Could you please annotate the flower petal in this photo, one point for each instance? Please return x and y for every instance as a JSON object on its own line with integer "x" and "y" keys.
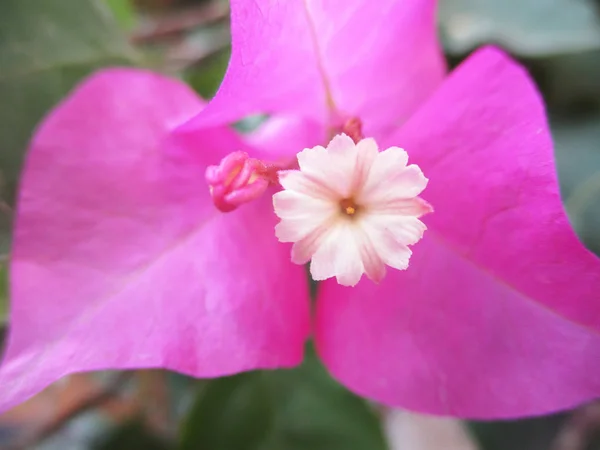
{"x": 296, "y": 181}
{"x": 486, "y": 322}
{"x": 300, "y": 214}
{"x": 318, "y": 58}
{"x": 391, "y": 179}
{"x": 416, "y": 207}
{"x": 483, "y": 141}
{"x": 340, "y": 168}
{"x": 440, "y": 338}
{"x": 281, "y": 137}
{"x": 391, "y": 235}
{"x": 338, "y": 254}
{"x": 121, "y": 261}
{"x": 370, "y": 256}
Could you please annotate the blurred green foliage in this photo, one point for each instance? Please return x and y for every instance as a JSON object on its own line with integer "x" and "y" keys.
{"x": 525, "y": 434}
{"x": 132, "y": 435}
{"x": 3, "y": 293}
{"x": 535, "y": 28}
{"x": 123, "y": 12}
{"x": 297, "y": 409}
{"x": 571, "y": 83}
{"x": 577, "y": 143}
{"x": 206, "y": 77}
{"x": 47, "y": 47}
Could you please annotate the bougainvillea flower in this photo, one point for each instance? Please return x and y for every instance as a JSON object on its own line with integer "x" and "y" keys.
{"x": 124, "y": 258}
{"x": 351, "y": 209}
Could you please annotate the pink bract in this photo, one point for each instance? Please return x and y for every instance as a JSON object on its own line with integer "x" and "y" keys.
{"x": 116, "y": 236}
{"x": 121, "y": 260}
{"x": 475, "y": 326}
{"x": 374, "y": 60}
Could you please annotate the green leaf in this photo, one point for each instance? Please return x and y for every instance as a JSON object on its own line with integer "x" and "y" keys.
{"x": 206, "y": 77}
{"x": 46, "y": 47}
{"x": 123, "y": 12}
{"x": 298, "y": 409}
{"x": 525, "y": 27}
{"x": 532, "y": 434}
{"x": 132, "y": 435}
{"x": 229, "y": 413}
{"x": 5, "y": 224}
{"x": 572, "y": 82}
{"x": 577, "y": 144}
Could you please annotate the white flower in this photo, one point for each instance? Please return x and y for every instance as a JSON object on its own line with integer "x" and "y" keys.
{"x": 351, "y": 209}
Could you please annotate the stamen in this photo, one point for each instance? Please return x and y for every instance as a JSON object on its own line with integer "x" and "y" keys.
{"x": 353, "y": 129}
{"x": 349, "y": 207}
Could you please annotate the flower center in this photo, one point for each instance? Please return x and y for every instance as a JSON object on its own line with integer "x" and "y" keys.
{"x": 349, "y": 207}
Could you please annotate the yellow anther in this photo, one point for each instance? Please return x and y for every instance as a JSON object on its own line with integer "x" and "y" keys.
{"x": 348, "y": 206}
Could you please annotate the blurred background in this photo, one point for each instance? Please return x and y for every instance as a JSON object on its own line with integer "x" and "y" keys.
{"x": 47, "y": 46}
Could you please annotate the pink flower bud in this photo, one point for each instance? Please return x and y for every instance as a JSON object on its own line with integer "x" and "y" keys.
{"x": 238, "y": 179}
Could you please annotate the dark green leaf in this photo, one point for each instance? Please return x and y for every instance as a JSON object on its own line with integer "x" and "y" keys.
{"x": 317, "y": 413}
{"x": 298, "y": 409}
{"x": 5, "y": 223}
{"x": 525, "y": 27}
{"x": 131, "y": 436}
{"x": 572, "y": 82}
{"x": 525, "y": 434}
{"x": 3, "y": 291}
{"x": 206, "y": 77}
{"x": 230, "y": 413}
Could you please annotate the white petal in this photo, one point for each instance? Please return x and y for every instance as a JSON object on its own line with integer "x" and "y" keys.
{"x": 291, "y": 204}
{"x": 340, "y": 144}
{"x": 372, "y": 261}
{"x": 391, "y": 236}
{"x": 294, "y": 180}
{"x": 416, "y": 207}
{"x": 405, "y": 229}
{"x": 338, "y": 255}
{"x": 304, "y": 249}
{"x": 343, "y": 166}
{"x": 300, "y": 215}
{"x": 293, "y": 230}
{"x": 394, "y": 254}
{"x": 366, "y": 154}
{"x": 390, "y": 177}
{"x": 327, "y": 169}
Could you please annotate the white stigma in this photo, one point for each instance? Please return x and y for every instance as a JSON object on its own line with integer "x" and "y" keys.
{"x": 351, "y": 209}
